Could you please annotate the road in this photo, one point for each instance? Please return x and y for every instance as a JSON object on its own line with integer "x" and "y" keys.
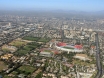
{"x": 98, "y": 60}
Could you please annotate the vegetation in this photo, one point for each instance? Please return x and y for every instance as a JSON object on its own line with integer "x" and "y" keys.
{"x": 68, "y": 47}
{"x": 6, "y": 76}
{"x": 14, "y": 73}
{"x": 18, "y": 43}
{"x": 69, "y": 56}
{"x": 31, "y": 38}
{"x": 39, "y": 75}
{"x": 27, "y": 48}
{"x": 44, "y": 40}
{"x": 5, "y": 49}
{"x": 22, "y": 52}
{"x": 80, "y": 62}
{"x": 38, "y": 39}
{"x": 94, "y": 74}
{"x": 26, "y": 69}
{"x": 47, "y": 50}
{"x": 2, "y": 66}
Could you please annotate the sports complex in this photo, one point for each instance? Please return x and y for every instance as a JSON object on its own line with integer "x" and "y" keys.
{"x": 69, "y": 48}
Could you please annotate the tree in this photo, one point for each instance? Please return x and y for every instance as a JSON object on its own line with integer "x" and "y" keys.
{"x": 39, "y": 75}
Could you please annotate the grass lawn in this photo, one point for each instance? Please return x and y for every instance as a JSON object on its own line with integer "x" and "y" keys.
{"x": 69, "y": 48}
{"x": 38, "y": 39}
{"x": 44, "y": 40}
{"x": 31, "y": 38}
{"x": 22, "y": 52}
{"x": 27, "y": 48}
{"x": 5, "y": 49}
{"x": 79, "y": 62}
{"x": 14, "y": 73}
{"x": 6, "y": 76}
{"x": 18, "y": 43}
{"x": 47, "y": 51}
{"x": 27, "y": 69}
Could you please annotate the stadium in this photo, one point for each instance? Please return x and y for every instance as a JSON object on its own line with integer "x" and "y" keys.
{"x": 69, "y": 48}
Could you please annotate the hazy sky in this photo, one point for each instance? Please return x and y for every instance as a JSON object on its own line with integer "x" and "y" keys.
{"x": 80, "y": 5}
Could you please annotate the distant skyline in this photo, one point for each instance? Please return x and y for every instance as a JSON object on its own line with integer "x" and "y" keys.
{"x": 77, "y": 5}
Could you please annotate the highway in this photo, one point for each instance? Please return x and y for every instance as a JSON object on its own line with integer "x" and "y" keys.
{"x": 98, "y": 61}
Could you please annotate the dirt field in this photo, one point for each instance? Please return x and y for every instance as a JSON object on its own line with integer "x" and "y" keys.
{"x": 2, "y": 66}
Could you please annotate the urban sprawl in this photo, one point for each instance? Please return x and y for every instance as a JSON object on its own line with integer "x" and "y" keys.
{"x": 49, "y": 46}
